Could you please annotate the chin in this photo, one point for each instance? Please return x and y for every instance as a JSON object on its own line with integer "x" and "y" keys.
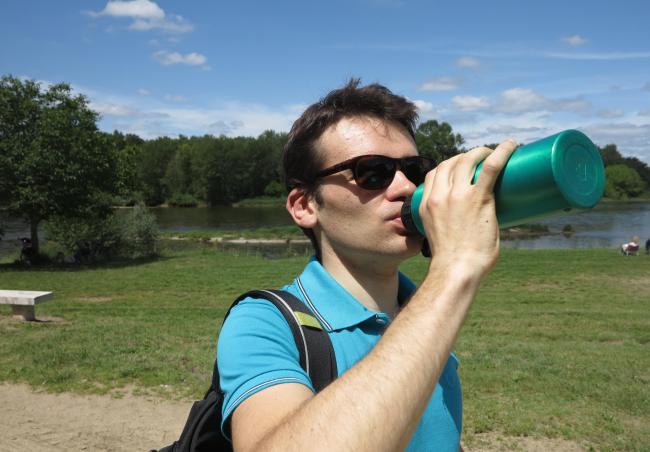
{"x": 409, "y": 246}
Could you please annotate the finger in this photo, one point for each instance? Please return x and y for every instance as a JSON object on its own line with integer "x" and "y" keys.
{"x": 444, "y": 174}
{"x": 494, "y": 163}
{"x": 436, "y": 182}
{"x": 447, "y": 167}
{"x": 428, "y": 187}
{"x": 467, "y": 166}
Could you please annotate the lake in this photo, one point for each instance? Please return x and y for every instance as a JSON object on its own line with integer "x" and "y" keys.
{"x": 606, "y": 226}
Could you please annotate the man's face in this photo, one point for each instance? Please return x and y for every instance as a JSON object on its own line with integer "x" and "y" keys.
{"x": 356, "y": 224}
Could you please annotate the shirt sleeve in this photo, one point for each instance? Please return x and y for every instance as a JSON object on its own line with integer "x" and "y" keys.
{"x": 256, "y": 350}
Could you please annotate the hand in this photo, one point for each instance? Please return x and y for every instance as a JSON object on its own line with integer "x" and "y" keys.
{"x": 460, "y": 218}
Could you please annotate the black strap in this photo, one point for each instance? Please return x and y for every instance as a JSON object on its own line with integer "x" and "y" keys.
{"x": 316, "y": 353}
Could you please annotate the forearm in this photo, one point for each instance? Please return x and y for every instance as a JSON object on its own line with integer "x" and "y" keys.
{"x": 377, "y": 404}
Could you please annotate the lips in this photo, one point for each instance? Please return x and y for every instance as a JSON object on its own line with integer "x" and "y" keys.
{"x": 399, "y": 224}
{"x": 397, "y": 221}
{"x": 397, "y": 214}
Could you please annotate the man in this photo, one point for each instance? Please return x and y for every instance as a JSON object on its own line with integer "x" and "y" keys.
{"x": 397, "y": 387}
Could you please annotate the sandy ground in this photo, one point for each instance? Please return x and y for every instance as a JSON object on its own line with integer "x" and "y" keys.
{"x": 37, "y": 422}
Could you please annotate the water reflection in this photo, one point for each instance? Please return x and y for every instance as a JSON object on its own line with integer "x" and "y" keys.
{"x": 221, "y": 217}
{"x": 608, "y": 225}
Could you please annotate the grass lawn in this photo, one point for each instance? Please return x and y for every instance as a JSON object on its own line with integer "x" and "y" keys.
{"x": 292, "y": 232}
{"x": 556, "y": 345}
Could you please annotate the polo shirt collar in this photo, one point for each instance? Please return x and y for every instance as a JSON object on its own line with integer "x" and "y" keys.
{"x": 332, "y": 304}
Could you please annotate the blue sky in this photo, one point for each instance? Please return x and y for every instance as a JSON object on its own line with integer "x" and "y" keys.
{"x": 493, "y": 70}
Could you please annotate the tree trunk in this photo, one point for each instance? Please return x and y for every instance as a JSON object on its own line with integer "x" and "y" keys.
{"x": 33, "y": 225}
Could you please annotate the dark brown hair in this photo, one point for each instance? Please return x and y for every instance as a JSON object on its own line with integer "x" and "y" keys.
{"x": 300, "y": 159}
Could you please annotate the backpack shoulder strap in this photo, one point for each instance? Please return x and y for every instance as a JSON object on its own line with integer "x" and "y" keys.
{"x": 316, "y": 352}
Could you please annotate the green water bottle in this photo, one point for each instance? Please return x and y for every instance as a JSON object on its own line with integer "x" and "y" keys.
{"x": 560, "y": 173}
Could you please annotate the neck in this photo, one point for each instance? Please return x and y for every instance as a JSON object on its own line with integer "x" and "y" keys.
{"x": 373, "y": 286}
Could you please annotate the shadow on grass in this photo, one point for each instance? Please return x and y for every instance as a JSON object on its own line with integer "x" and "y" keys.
{"x": 116, "y": 263}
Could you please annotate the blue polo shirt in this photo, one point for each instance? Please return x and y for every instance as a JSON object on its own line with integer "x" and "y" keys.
{"x": 256, "y": 350}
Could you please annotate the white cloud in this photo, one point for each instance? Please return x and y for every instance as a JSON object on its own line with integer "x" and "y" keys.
{"x": 440, "y": 84}
{"x": 506, "y": 130}
{"x": 518, "y": 100}
{"x": 609, "y": 114}
{"x": 576, "y": 104}
{"x": 645, "y": 112}
{"x": 630, "y": 138}
{"x": 121, "y": 108}
{"x": 153, "y": 119}
{"x": 112, "y": 109}
{"x": 522, "y": 99}
{"x": 146, "y": 15}
{"x": 141, "y": 9}
{"x": 470, "y": 103}
{"x": 469, "y": 62}
{"x": 575, "y": 40}
{"x": 423, "y": 106}
{"x": 298, "y": 109}
{"x": 175, "y": 24}
{"x": 222, "y": 127}
{"x": 143, "y": 92}
{"x": 168, "y": 58}
{"x": 175, "y": 98}
{"x": 612, "y": 56}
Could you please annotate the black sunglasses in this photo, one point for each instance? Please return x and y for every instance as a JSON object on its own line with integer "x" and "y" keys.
{"x": 374, "y": 172}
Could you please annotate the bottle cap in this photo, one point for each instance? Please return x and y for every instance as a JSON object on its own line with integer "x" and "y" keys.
{"x": 578, "y": 169}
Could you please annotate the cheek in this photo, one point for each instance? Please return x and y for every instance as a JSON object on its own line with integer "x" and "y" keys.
{"x": 342, "y": 211}
{"x": 340, "y": 208}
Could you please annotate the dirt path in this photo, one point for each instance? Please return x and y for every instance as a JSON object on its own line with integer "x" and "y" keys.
{"x": 38, "y": 422}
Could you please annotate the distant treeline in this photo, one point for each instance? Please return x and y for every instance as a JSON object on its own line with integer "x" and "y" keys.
{"x": 210, "y": 170}
{"x": 191, "y": 170}
{"x": 221, "y": 170}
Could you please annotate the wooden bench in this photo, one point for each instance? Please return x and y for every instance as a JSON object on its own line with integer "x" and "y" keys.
{"x": 23, "y": 301}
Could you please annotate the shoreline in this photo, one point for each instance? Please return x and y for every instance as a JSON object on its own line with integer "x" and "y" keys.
{"x": 507, "y": 234}
{"x": 280, "y": 203}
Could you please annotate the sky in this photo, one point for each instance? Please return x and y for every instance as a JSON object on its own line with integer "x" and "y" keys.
{"x": 493, "y": 70}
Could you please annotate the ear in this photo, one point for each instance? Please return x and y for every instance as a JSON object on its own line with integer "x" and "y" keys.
{"x": 302, "y": 208}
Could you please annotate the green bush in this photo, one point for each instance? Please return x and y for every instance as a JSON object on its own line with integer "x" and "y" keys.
{"x": 140, "y": 233}
{"x": 99, "y": 238}
{"x": 87, "y": 239}
{"x": 622, "y": 182}
{"x": 128, "y": 200}
{"x": 183, "y": 200}
{"x": 274, "y": 189}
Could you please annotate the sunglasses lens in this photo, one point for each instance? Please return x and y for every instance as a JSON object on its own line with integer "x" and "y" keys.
{"x": 374, "y": 172}
{"x": 416, "y": 168}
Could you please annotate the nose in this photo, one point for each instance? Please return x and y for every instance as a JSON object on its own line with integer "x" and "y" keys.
{"x": 400, "y": 187}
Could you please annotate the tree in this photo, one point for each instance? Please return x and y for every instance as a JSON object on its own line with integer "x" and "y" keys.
{"x": 126, "y": 149}
{"x": 622, "y": 182}
{"x": 640, "y": 167}
{"x": 53, "y": 160}
{"x": 610, "y": 155}
{"x": 179, "y": 176}
{"x": 152, "y": 166}
{"x": 228, "y": 170}
{"x": 437, "y": 140}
